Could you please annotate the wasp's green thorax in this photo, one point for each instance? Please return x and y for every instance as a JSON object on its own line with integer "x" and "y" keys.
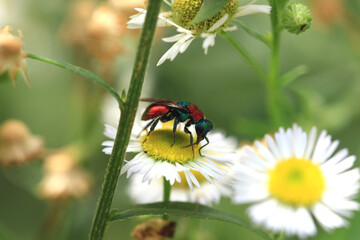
{"x": 184, "y": 11}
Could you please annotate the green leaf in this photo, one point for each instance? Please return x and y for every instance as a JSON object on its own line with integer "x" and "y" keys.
{"x": 208, "y": 9}
{"x": 293, "y": 74}
{"x": 81, "y": 71}
{"x": 255, "y": 34}
{"x": 182, "y": 209}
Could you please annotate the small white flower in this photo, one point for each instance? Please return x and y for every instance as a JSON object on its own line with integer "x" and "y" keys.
{"x": 156, "y": 157}
{"x": 293, "y": 176}
{"x": 186, "y": 36}
{"x": 207, "y": 193}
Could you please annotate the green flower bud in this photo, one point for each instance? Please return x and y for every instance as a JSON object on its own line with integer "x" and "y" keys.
{"x": 296, "y": 18}
{"x": 184, "y": 11}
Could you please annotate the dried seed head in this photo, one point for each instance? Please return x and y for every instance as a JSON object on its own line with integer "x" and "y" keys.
{"x": 128, "y": 6}
{"x": 97, "y": 30}
{"x": 154, "y": 229}
{"x": 17, "y": 144}
{"x": 11, "y": 54}
{"x": 64, "y": 186}
{"x": 59, "y": 162}
{"x": 63, "y": 179}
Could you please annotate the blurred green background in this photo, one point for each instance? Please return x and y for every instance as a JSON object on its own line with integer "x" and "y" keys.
{"x": 220, "y": 83}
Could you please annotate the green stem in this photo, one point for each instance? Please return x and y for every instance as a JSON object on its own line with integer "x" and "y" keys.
{"x": 272, "y": 86}
{"x": 247, "y": 56}
{"x": 81, "y": 71}
{"x": 166, "y": 196}
{"x": 126, "y": 122}
{"x": 167, "y": 190}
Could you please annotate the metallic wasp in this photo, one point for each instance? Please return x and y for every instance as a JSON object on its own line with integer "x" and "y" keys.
{"x": 166, "y": 110}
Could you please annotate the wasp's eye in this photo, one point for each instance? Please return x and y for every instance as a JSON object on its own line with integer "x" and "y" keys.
{"x": 199, "y": 128}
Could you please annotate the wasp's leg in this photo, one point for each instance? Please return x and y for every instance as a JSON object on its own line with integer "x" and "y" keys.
{"x": 186, "y": 130}
{"x": 176, "y": 122}
{"x": 153, "y": 124}
{"x": 207, "y": 142}
{"x": 147, "y": 125}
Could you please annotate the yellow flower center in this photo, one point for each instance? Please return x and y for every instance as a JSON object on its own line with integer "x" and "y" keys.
{"x": 297, "y": 182}
{"x": 158, "y": 146}
{"x": 184, "y": 11}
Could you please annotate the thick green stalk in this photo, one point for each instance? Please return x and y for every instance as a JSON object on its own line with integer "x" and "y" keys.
{"x": 126, "y": 122}
{"x": 272, "y": 86}
{"x": 247, "y": 56}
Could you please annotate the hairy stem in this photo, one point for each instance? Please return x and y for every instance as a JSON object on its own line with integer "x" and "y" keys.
{"x": 125, "y": 124}
{"x": 272, "y": 86}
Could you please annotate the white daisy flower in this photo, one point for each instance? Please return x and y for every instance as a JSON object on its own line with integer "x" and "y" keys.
{"x": 181, "y": 15}
{"x": 207, "y": 194}
{"x": 294, "y": 176}
{"x": 156, "y": 157}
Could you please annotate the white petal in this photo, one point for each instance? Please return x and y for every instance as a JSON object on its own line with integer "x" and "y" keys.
{"x": 252, "y": 9}
{"x": 272, "y": 146}
{"x": 321, "y": 147}
{"x": 110, "y": 131}
{"x": 250, "y": 193}
{"x": 180, "y": 46}
{"x": 218, "y": 23}
{"x": 310, "y": 143}
{"x": 209, "y": 41}
{"x": 328, "y": 219}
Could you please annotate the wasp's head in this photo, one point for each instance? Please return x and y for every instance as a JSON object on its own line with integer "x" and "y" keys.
{"x": 202, "y": 128}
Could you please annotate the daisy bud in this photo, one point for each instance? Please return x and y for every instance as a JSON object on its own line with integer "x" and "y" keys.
{"x": 63, "y": 179}
{"x": 11, "y": 54}
{"x": 17, "y": 144}
{"x": 184, "y": 12}
{"x": 296, "y": 18}
{"x": 154, "y": 229}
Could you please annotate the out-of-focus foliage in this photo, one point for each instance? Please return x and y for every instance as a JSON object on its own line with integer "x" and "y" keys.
{"x": 220, "y": 83}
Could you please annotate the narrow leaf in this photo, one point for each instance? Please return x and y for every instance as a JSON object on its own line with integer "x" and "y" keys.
{"x": 293, "y": 74}
{"x": 81, "y": 71}
{"x": 182, "y": 209}
{"x": 209, "y": 9}
{"x": 255, "y": 34}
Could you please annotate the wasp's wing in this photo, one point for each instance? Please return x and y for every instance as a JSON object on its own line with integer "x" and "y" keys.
{"x": 165, "y": 102}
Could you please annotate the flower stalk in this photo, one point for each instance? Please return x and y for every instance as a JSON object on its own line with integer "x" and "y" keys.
{"x": 125, "y": 124}
{"x": 273, "y": 77}
{"x": 166, "y": 196}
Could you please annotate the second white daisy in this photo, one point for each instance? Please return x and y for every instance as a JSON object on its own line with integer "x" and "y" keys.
{"x": 293, "y": 176}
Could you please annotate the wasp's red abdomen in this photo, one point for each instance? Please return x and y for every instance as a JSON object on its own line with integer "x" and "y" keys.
{"x": 154, "y": 111}
{"x": 195, "y": 112}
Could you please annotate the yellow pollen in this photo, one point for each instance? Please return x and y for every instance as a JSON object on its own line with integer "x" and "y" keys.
{"x": 297, "y": 182}
{"x": 158, "y": 146}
